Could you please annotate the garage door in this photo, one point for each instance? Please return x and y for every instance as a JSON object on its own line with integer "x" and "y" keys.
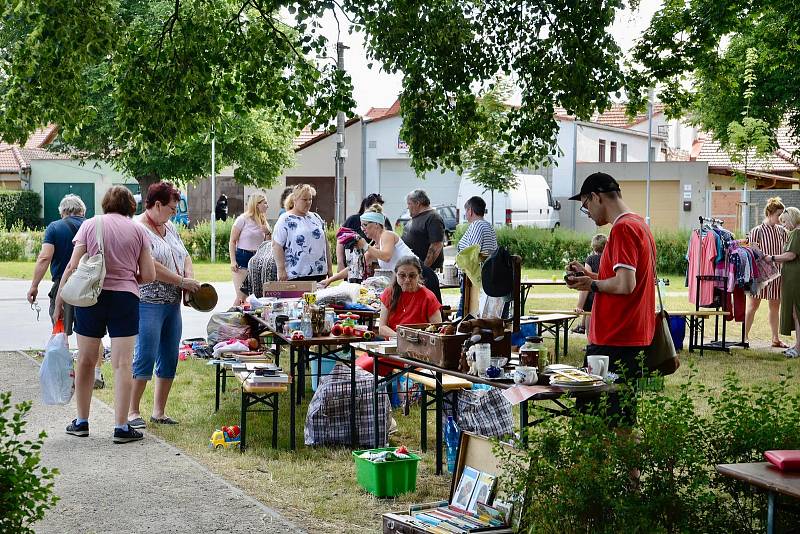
{"x": 54, "y": 192}
{"x": 665, "y": 203}
{"x": 397, "y": 179}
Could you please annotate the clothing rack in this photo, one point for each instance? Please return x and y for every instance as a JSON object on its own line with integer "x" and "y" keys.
{"x": 719, "y": 343}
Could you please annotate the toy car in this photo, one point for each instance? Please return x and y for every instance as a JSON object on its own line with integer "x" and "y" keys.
{"x": 228, "y": 437}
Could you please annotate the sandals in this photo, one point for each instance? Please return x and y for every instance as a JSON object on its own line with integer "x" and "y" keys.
{"x": 779, "y": 345}
{"x": 163, "y": 420}
{"x": 790, "y": 353}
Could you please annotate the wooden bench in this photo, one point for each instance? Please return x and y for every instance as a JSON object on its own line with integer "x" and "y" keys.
{"x": 450, "y": 385}
{"x": 253, "y": 395}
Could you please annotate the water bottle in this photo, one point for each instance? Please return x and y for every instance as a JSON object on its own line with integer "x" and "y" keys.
{"x": 452, "y": 434}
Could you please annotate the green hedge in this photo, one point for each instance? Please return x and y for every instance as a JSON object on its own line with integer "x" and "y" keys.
{"x": 543, "y": 249}
{"x": 20, "y": 208}
{"x": 198, "y": 240}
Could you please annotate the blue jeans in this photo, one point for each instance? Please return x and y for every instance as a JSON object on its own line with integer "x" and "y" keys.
{"x": 160, "y": 328}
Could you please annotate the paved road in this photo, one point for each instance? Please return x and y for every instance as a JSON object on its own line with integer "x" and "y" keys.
{"x": 146, "y": 486}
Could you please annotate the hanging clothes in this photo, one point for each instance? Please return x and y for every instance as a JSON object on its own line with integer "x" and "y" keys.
{"x": 702, "y": 262}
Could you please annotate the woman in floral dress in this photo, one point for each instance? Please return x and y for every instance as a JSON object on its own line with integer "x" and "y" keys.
{"x": 298, "y": 239}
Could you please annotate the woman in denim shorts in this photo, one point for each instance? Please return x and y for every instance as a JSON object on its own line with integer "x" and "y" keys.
{"x": 128, "y": 263}
{"x": 249, "y": 231}
{"x": 160, "y": 323}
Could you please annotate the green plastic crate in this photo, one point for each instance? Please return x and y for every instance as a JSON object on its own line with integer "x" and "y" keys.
{"x": 386, "y": 479}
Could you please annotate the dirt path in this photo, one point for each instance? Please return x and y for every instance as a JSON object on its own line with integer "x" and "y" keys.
{"x": 147, "y": 486}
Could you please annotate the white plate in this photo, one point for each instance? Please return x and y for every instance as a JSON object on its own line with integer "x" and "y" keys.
{"x": 575, "y": 386}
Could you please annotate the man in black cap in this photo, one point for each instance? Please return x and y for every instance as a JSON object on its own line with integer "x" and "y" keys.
{"x": 623, "y": 313}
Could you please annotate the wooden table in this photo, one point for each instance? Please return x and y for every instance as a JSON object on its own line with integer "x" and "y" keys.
{"x": 548, "y": 393}
{"x": 300, "y": 353}
{"x": 526, "y": 285}
{"x": 763, "y": 475}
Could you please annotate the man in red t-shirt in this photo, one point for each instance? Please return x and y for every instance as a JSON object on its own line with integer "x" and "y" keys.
{"x": 623, "y": 313}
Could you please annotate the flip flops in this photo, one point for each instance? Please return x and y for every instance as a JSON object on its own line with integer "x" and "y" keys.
{"x": 779, "y": 345}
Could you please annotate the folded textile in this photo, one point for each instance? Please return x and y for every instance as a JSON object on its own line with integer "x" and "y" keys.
{"x": 346, "y": 236}
{"x": 231, "y": 345}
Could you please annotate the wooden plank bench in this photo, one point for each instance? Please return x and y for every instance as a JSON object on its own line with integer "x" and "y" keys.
{"x": 253, "y": 395}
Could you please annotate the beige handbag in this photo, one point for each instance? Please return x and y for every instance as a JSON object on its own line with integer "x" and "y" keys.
{"x": 83, "y": 286}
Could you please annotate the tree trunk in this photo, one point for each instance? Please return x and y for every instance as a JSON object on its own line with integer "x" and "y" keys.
{"x": 145, "y": 181}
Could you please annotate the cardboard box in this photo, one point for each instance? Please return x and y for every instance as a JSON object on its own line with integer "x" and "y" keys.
{"x": 288, "y": 290}
{"x": 474, "y": 451}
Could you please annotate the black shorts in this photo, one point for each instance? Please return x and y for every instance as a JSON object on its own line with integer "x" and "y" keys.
{"x": 116, "y": 311}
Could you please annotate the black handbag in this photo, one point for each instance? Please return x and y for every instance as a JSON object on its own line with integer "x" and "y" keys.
{"x": 660, "y": 355}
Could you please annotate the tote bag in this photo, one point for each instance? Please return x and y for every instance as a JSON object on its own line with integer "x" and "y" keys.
{"x": 84, "y": 285}
{"x": 660, "y": 355}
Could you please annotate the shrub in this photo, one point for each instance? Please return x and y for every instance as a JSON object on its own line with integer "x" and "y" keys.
{"x": 198, "y": 240}
{"x": 12, "y": 247}
{"x": 26, "y": 489}
{"x": 579, "y": 475}
{"x": 21, "y": 207}
{"x": 545, "y": 249}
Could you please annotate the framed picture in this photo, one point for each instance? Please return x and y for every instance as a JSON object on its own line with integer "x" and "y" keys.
{"x": 466, "y": 485}
{"x": 482, "y": 492}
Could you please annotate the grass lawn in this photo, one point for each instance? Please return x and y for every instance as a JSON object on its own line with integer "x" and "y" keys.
{"x": 316, "y": 487}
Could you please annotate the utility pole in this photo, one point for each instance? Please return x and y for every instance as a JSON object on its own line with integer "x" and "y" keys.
{"x": 649, "y": 152}
{"x": 341, "y": 153}
{"x": 213, "y": 196}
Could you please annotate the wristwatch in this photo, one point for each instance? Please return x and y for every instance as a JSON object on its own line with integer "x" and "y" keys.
{"x": 593, "y": 288}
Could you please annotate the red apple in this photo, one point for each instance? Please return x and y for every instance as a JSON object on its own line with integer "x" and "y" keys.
{"x": 337, "y": 330}
{"x": 252, "y": 343}
{"x": 348, "y": 330}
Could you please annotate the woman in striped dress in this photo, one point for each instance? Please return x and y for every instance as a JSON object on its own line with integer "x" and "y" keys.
{"x": 770, "y": 237}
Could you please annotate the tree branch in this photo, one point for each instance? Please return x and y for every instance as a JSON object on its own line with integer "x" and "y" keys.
{"x": 169, "y": 26}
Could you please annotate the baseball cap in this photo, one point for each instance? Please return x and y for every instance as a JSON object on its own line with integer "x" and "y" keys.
{"x": 598, "y": 182}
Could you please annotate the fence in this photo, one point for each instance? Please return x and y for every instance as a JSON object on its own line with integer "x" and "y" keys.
{"x": 742, "y": 210}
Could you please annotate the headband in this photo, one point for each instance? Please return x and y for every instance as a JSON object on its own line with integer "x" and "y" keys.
{"x": 373, "y": 217}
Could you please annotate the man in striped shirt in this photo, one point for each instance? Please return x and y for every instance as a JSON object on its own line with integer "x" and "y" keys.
{"x": 480, "y": 231}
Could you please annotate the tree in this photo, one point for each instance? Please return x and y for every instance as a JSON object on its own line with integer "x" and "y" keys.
{"x": 178, "y": 67}
{"x": 696, "y": 53}
{"x": 144, "y": 83}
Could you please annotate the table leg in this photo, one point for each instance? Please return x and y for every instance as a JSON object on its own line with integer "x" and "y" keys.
{"x": 423, "y": 421}
{"x": 770, "y": 512}
{"x": 375, "y": 423}
{"x": 275, "y": 397}
{"x": 702, "y": 335}
{"x": 216, "y": 392}
{"x": 523, "y": 421}
{"x": 292, "y": 407}
{"x": 557, "y": 336}
{"x": 243, "y": 422}
{"x": 224, "y": 377}
{"x": 439, "y": 400}
{"x": 301, "y": 373}
{"x": 352, "y": 397}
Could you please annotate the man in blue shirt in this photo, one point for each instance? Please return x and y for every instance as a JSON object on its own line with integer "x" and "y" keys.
{"x": 56, "y": 251}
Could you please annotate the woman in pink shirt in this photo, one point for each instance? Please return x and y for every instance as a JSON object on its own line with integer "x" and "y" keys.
{"x": 249, "y": 230}
{"x": 126, "y": 249}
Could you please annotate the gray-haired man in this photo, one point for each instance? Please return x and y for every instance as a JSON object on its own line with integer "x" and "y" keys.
{"x": 56, "y": 251}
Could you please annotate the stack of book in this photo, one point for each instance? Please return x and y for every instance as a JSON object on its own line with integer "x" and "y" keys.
{"x": 263, "y": 375}
{"x": 470, "y": 509}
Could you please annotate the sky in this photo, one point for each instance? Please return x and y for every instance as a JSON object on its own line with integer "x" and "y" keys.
{"x": 377, "y": 88}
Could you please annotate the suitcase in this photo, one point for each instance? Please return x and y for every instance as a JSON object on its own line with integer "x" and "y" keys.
{"x": 474, "y": 451}
{"x": 440, "y": 349}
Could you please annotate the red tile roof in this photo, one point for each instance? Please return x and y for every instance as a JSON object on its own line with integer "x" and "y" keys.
{"x": 379, "y": 114}
{"x": 616, "y": 116}
{"x": 42, "y": 137}
{"x": 374, "y": 113}
{"x": 11, "y": 160}
{"x": 308, "y": 137}
{"x": 781, "y": 160}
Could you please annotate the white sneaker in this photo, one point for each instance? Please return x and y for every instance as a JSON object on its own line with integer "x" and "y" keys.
{"x": 790, "y": 352}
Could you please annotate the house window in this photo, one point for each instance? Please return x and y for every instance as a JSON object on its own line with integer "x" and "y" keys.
{"x": 623, "y": 152}
{"x": 601, "y": 156}
{"x": 613, "y": 151}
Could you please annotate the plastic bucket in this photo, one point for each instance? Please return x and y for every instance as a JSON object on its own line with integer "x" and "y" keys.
{"x": 327, "y": 367}
{"x": 386, "y": 479}
{"x": 677, "y": 329}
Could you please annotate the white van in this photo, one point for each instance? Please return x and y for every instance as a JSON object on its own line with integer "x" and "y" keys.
{"x": 530, "y": 203}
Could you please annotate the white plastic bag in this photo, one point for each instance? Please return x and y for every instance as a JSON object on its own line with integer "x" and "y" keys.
{"x": 56, "y": 375}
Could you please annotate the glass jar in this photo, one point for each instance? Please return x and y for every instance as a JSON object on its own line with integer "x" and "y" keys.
{"x": 532, "y": 351}
{"x": 330, "y": 319}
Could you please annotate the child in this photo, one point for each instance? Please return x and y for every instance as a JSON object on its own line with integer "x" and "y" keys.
{"x": 585, "y": 298}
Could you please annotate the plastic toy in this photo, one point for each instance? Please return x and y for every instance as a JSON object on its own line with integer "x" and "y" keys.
{"x": 298, "y": 335}
{"x": 228, "y": 436}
